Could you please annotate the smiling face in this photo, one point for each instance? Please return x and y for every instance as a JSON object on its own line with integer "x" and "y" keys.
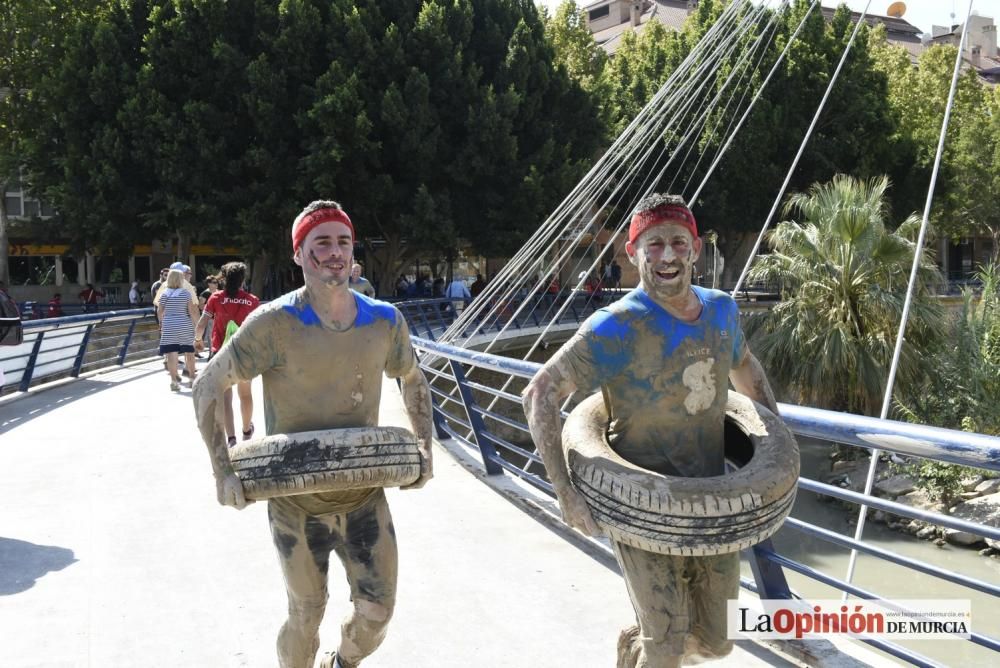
{"x": 326, "y": 253}
{"x": 664, "y": 255}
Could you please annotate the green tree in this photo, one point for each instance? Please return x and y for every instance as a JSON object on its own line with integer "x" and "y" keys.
{"x": 575, "y": 48}
{"x": 967, "y": 197}
{"x": 30, "y": 44}
{"x": 447, "y": 123}
{"x": 843, "y": 278}
{"x": 77, "y": 149}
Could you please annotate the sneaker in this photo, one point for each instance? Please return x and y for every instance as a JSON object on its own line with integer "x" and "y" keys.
{"x": 184, "y": 373}
{"x": 175, "y": 386}
{"x": 247, "y": 435}
{"x": 232, "y": 441}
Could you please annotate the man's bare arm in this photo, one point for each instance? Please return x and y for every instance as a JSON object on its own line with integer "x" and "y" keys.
{"x": 541, "y": 400}
{"x": 417, "y": 399}
{"x": 208, "y": 393}
{"x": 749, "y": 379}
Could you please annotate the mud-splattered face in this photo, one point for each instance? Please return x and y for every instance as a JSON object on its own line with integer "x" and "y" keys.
{"x": 326, "y": 254}
{"x": 664, "y": 256}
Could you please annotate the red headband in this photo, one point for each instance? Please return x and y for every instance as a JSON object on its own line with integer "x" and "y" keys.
{"x": 304, "y": 224}
{"x": 674, "y": 213}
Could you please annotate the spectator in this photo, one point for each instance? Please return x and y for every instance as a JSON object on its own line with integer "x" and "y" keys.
{"x": 459, "y": 294}
{"x": 55, "y": 306}
{"x": 212, "y": 284}
{"x": 478, "y": 286}
{"x": 226, "y": 310}
{"x": 134, "y": 296}
{"x": 359, "y": 283}
{"x": 155, "y": 287}
{"x": 616, "y": 274}
{"x": 437, "y": 288}
{"x": 402, "y": 286}
{"x": 88, "y": 296}
{"x": 177, "y": 309}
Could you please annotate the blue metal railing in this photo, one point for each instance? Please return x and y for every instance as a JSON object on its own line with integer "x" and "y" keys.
{"x": 469, "y": 408}
{"x": 56, "y": 348}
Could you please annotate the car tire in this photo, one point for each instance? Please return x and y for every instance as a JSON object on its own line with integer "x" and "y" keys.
{"x": 687, "y": 516}
{"x": 330, "y": 460}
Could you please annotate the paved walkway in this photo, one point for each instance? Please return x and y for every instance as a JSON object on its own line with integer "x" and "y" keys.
{"x": 114, "y": 552}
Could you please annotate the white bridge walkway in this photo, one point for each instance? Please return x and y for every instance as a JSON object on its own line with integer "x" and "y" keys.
{"x": 113, "y": 552}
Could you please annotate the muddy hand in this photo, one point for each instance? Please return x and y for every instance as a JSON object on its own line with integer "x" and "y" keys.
{"x": 426, "y": 466}
{"x": 576, "y": 513}
{"x": 230, "y": 492}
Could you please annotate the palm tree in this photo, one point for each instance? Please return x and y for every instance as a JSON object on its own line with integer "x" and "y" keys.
{"x": 843, "y": 278}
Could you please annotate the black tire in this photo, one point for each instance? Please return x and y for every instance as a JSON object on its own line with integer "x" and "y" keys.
{"x": 330, "y": 460}
{"x": 687, "y": 516}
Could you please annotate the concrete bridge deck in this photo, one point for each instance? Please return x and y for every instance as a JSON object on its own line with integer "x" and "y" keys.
{"x": 114, "y": 552}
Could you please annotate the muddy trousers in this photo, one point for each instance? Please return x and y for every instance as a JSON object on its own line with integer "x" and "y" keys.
{"x": 365, "y": 542}
{"x": 680, "y": 607}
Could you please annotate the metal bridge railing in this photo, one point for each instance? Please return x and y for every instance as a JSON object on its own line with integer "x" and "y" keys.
{"x": 469, "y": 407}
{"x": 55, "y": 348}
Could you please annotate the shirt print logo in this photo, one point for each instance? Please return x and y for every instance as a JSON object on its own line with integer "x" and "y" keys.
{"x": 701, "y": 381}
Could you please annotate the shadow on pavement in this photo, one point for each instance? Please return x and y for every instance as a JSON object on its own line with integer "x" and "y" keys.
{"x": 14, "y": 413}
{"x": 23, "y": 563}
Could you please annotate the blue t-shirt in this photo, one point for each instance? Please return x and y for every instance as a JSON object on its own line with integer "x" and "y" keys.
{"x": 665, "y": 381}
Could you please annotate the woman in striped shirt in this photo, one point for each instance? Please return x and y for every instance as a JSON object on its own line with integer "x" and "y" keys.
{"x": 177, "y": 309}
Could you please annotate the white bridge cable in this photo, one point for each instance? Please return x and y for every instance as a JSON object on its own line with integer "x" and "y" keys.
{"x": 650, "y": 188}
{"x": 917, "y": 252}
{"x": 774, "y": 68}
{"x": 637, "y": 139}
{"x": 595, "y": 181}
{"x": 801, "y": 151}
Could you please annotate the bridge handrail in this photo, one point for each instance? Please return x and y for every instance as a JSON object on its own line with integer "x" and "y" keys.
{"x": 457, "y": 414}
{"x": 70, "y": 345}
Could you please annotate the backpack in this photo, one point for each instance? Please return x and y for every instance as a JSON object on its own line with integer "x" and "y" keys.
{"x": 231, "y": 328}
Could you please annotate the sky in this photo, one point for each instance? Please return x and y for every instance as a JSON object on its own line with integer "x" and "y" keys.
{"x": 920, "y": 13}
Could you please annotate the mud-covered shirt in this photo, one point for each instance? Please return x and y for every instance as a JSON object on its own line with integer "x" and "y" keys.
{"x": 318, "y": 378}
{"x": 664, "y": 380}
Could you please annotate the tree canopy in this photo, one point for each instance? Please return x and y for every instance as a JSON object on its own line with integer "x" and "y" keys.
{"x": 431, "y": 122}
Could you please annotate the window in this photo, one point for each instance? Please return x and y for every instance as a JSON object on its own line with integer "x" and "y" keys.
{"x": 32, "y": 270}
{"x": 599, "y": 13}
{"x": 13, "y": 205}
{"x": 142, "y": 272}
{"x": 31, "y": 208}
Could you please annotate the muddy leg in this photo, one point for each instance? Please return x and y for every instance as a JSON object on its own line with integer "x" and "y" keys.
{"x": 658, "y": 589}
{"x": 714, "y": 580}
{"x": 227, "y": 404}
{"x": 370, "y": 561}
{"x": 303, "y": 543}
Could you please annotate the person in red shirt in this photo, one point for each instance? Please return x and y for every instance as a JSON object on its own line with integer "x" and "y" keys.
{"x": 230, "y": 305}
{"x": 89, "y": 297}
{"x": 55, "y": 306}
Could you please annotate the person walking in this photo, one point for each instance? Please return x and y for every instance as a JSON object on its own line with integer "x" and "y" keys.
{"x": 224, "y": 312}
{"x": 55, "y": 306}
{"x": 88, "y": 296}
{"x": 177, "y": 311}
{"x": 359, "y": 283}
{"x": 322, "y": 351}
{"x": 134, "y": 296}
{"x": 459, "y": 294}
{"x": 660, "y": 356}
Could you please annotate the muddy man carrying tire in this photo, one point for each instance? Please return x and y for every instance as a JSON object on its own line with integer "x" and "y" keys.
{"x": 322, "y": 351}
{"x": 660, "y": 357}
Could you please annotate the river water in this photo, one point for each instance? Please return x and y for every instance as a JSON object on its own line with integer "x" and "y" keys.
{"x": 883, "y": 578}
